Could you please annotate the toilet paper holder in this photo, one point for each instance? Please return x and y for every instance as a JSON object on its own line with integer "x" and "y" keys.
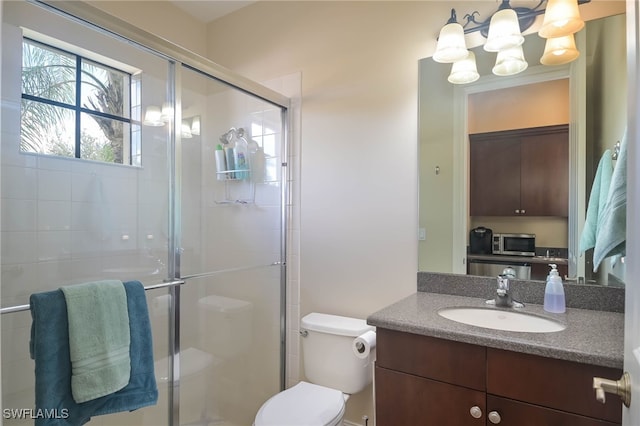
{"x": 360, "y": 347}
{"x": 364, "y": 345}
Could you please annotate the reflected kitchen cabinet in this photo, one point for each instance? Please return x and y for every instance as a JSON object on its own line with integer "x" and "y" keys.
{"x": 523, "y": 172}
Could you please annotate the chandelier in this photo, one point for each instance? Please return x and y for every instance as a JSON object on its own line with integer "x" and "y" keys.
{"x": 503, "y": 33}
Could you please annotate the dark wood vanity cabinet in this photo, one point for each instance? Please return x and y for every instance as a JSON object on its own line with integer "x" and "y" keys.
{"x": 422, "y": 380}
{"x": 523, "y": 172}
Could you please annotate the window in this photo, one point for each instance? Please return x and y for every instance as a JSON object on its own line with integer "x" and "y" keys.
{"x": 76, "y": 107}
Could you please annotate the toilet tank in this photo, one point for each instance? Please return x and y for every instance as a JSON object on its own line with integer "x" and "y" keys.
{"x": 328, "y": 355}
{"x": 226, "y": 325}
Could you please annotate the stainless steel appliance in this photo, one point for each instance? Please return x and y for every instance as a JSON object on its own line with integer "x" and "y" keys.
{"x": 490, "y": 268}
{"x": 514, "y": 244}
{"x": 480, "y": 240}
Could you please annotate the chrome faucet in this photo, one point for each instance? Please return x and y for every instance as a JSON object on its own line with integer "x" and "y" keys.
{"x": 503, "y": 293}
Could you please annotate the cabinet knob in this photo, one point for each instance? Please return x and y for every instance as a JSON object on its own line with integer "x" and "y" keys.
{"x": 522, "y": 211}
{"x": 494, "y": 417}
{"x": 475, "y": 412}
{"x": 517, "y": 211}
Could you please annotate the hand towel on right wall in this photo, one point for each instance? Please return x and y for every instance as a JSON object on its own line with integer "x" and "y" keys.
{"x": 597, "y": 201}
{"x": 612, "y": 226}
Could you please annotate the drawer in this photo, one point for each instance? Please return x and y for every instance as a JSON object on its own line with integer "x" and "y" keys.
{"x": 553, "y": 383}
{"x": 444, "y": 360}
{"x": 516, "y": 413}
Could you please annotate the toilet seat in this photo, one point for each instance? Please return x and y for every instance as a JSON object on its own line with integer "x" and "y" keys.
{"x": 304, "y": 404}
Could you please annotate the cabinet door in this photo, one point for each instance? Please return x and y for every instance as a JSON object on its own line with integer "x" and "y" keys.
{"x": 515, "y": 413}
{"x": 407, "y": 400}
{"x": 520, "y": 172}
{"x": 544, "y": 169}
{"x": 553, "y": 383}
{"x": 494, "y": 176}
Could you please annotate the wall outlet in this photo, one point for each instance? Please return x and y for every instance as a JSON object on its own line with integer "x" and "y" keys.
{"x": 422, "y": 234}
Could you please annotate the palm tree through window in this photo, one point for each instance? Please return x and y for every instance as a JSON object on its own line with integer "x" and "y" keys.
{"x": 75, "y": 107}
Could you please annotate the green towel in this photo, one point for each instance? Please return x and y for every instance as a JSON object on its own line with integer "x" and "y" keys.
{"x": 612, "y": 223}
{"x": 597, "y": 201}
{"x": 99, "y": 338}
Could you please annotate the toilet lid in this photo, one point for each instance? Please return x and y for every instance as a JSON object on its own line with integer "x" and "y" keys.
{"x": 305, "y": 404}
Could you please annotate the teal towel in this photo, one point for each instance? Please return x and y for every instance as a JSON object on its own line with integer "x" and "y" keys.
{"x": 49, "y": 347}
{"x": 99, "y": 338}
{"x": 597, "y": 201}
{"x": 612, "y": 226}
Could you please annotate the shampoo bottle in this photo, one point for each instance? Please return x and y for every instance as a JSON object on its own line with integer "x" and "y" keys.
{"x": 554, "y": 300}
{"x": 241, "y": 157}
{"x": 221, "y": 163}
{"x": 231, "y": 164}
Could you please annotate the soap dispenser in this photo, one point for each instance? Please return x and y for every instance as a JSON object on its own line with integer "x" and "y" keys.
{"x": 554, "y": 300}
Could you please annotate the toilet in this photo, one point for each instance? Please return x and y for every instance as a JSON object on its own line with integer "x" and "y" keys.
{"x": 333, "y": 370}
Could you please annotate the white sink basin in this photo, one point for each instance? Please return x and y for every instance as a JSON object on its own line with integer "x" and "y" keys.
{"x": 501, "y": 320}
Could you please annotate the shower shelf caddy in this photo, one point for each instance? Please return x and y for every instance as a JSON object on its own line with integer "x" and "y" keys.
{"x": 236, "y": 190}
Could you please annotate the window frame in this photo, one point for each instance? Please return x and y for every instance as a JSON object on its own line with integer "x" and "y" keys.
{"x": 78, "y": 109}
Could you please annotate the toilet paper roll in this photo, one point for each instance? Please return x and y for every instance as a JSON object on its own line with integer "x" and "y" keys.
{"x": 364, "y": 344}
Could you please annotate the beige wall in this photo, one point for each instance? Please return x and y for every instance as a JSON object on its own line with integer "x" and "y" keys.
{"x": 358, "y": 211}
{"x": 161, "y": 18}
{"x": 358, "y": 61}
{"x": 531, "y": 105}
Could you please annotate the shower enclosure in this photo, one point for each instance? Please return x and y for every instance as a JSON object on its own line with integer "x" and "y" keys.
{"x": 207, "y": 240}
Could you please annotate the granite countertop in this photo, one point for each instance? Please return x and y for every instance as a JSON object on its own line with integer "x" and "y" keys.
{"x": 591, "y": 336}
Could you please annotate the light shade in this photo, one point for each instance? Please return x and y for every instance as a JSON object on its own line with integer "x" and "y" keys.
{"x": 510, "y": 62}
{"x": 561, "y": 18}
{"x": 504, "y": 31}
{"x": 559, "y": 50}
{"x": 153, "y": 117}
{"x": 451, "y": 45}
{"x": 464, "y": 71}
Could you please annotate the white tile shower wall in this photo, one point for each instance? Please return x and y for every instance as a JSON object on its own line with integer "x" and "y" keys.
{"x": 68, "y": 221}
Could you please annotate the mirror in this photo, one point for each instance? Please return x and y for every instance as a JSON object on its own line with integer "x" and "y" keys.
{"x": 448, "y": 113}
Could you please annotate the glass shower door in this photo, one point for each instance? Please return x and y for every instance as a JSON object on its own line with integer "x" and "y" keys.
{"x": 231, "y": 251}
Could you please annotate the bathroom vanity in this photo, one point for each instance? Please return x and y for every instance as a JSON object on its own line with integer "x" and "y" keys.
{"x": 432, "y": 370}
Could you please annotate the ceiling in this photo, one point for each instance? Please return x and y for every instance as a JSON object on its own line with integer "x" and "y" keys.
{"x": 207, "y": 11}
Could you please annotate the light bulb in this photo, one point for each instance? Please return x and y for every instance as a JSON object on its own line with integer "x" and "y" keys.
{"x": 559, "y": 50}
{"x": 451, "y": 44}
{"x": 464, "y": 71}
{"x": 504, "y": 31}
{"x": 561, "y": 18}
{"x": 510, "y": 62}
